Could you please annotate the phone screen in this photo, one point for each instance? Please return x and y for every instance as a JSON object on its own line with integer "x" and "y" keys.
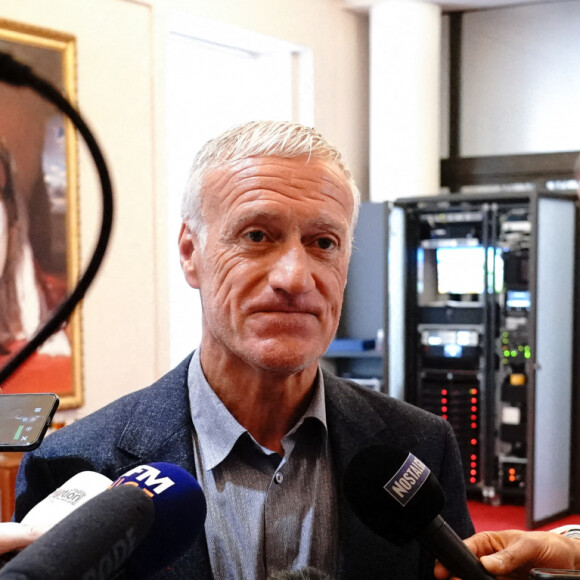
{"x": 551, "y": 574}
{"x": 24, "y": 419}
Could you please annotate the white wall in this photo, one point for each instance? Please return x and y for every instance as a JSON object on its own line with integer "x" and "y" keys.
{"x": 520, "y": 81}
{"x": 245, "y": 76}
{"x": 522, "y": 76}
{"x": 121, "y": 76}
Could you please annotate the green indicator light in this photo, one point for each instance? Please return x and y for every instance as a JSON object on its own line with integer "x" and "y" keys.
{"x": 514, "y": 353}
{"x": 520, "y": 348}
{"x": 528, "y": 354}
{"x": 506, "y": 353}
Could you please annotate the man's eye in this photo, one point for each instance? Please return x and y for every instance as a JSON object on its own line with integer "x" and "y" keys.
{"x": 256, "y": 236}
{"x": 325, "y": 243}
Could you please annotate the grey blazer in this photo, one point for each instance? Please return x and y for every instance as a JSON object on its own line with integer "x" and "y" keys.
{"x": 154, "y": 424}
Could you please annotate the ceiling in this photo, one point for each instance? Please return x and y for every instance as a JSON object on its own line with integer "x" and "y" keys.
{"x": 454, "y": 5}
{"x": 461, "y": 5}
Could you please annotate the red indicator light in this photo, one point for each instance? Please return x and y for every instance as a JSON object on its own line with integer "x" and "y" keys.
{"x": 474, "y": 441}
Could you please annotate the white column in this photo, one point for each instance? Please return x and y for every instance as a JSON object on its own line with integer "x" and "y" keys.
{"x": 405, "y": 41}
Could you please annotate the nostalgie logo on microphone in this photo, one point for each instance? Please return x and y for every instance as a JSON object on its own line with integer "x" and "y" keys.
{"x": 408, "y": 480}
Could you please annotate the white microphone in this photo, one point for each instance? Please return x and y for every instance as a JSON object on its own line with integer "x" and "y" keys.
{"x": 92, "y": 543}
{"x": 67, "y": 498}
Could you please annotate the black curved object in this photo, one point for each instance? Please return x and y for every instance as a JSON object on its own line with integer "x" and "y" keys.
{"x": 553, "y": 574}
{"x": 17, "y": 74}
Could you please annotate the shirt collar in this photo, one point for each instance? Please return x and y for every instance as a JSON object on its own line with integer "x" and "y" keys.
{"x": 217, "y": 429}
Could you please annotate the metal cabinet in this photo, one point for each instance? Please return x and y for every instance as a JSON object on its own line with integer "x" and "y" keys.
{"x": 483, "y": 288}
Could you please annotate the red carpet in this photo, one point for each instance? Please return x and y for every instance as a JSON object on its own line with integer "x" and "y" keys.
{"x": 505, "y": 517}
{"x": 40, "y": 374}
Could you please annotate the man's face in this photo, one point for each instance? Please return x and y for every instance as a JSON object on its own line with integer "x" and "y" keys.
{"x": 274, "y": 268}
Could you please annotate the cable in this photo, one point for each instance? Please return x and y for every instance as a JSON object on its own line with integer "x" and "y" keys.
{"x": 17, "y": 74}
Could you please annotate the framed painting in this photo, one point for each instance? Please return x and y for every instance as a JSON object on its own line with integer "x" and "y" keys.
{"x": 39, "y": 237}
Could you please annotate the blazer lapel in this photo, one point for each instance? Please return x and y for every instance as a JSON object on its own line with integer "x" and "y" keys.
{"x": 353, "y": 424}
{"x": 160, "y": 430}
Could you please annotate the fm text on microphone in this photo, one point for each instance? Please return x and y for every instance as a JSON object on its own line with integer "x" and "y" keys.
{"x": 395, "y": 495}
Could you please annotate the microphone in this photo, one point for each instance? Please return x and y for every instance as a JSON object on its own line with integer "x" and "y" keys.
{"x": 60, "y": 503}
{"x": 92, "y": 543}
{"x": 397, "y": 497}
{"x": 69, "y": 496}
{"x": 180, "y": 511}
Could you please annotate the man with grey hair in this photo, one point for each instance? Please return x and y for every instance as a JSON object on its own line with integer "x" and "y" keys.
{"x": 268, "y": 220}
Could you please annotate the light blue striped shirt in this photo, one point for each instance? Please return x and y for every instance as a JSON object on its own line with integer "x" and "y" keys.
{"x": 265, "y": 512}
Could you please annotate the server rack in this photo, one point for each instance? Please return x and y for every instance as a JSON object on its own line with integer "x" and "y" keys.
{"x": 485, "y": 285}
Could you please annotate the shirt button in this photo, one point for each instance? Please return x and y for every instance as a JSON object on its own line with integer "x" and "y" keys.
{"x": 278, "y": 478}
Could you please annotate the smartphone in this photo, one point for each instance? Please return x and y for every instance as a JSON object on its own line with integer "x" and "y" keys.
{"x": 551, "y": 574}
{"x": 24, "y": 419}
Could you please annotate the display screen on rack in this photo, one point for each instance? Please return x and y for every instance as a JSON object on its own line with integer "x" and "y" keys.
{"x": 461, "y": 270}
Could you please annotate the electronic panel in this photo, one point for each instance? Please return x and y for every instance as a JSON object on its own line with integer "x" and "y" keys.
{"x": 456, "y": 398}
{"x": 488, "y": 327}
{"x": 474, "y": 303}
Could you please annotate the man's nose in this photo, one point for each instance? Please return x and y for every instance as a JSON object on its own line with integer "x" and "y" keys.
{"x": 291, "y": 271}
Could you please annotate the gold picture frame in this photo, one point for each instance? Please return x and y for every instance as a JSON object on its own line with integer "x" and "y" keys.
{"x": 39, "y": 215}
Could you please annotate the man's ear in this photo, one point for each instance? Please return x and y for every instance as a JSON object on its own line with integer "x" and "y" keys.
{"x": 188, "y": 251}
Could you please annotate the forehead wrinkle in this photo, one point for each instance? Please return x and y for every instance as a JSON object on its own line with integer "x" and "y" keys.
{"x": 267, "y": 170}
{"x": 296, "y": 179}
{"x": 259, "y": 186}
{"x": 323, "y": 221}
{"x": 245, "y": 177}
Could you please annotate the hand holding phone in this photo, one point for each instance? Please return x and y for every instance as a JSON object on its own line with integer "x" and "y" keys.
{"x": 24, "y": 419}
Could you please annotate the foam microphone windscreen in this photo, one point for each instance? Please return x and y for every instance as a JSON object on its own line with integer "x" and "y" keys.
{"x": 75, "y": 492}
{"x": 392, "y": 492}
{"x": 180, "y": 511}
{"x": 93, "y": 542}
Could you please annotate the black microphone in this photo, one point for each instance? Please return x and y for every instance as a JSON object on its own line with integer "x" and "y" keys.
{"x": 93, "y": 543}
{"x": 395, "y": 495}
